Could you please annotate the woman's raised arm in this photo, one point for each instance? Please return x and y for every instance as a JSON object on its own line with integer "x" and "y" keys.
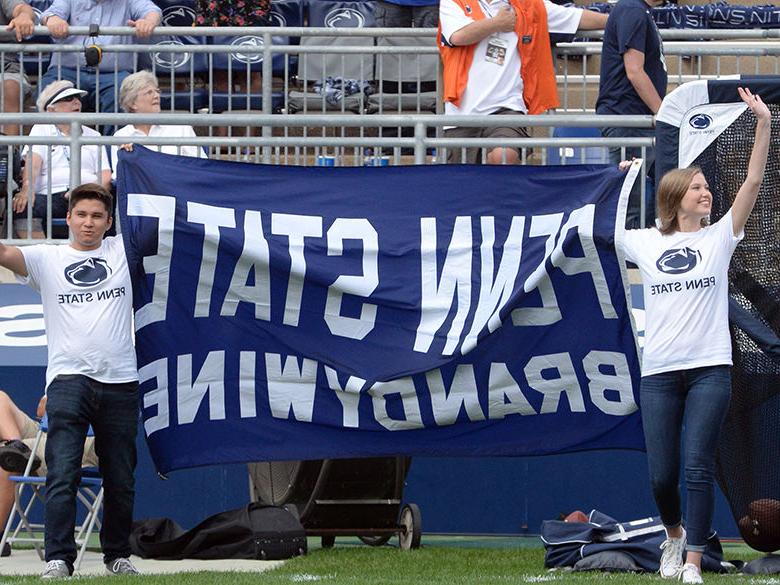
{"x": 746, "y": 196}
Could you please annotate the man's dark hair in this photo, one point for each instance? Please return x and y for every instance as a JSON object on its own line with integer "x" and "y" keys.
{"x": 92, "y": 191}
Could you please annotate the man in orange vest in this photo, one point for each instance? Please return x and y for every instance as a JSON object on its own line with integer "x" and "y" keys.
{"x": 498, "y": 60}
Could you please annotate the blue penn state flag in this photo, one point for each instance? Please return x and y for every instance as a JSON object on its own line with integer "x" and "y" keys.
{"x": 288, "y": 313}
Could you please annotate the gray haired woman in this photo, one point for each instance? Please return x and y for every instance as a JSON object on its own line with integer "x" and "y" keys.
{"x": 140, "y": 94}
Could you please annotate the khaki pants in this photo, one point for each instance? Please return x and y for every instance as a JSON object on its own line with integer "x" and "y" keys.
{"x": 29, "y": 431}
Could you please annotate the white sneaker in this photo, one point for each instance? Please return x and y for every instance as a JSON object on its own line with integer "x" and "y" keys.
{"x": 121, "y": 566}
{"x": 690, "y": 574}
{"x": 672, "y": 557}
{"x": 56, "y": 570}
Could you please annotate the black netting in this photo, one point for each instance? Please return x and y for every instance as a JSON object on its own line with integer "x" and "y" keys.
{"x": 749, "y": 451}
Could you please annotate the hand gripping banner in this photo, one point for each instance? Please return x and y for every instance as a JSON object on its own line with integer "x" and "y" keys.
{"x": 287, "y": 313}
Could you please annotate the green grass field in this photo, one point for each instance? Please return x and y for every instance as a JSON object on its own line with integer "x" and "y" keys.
{"x": 441, "y": 561}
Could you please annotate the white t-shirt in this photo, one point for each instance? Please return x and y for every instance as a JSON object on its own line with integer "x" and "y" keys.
{"x": 685, "y": 282}
{"x": 93, "y": 160}
{"x": 167, "y": 131}
{"x": 87, "y": 305}
{"x": 495, "y": 82}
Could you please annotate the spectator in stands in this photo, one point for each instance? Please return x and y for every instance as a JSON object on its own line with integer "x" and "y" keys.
{"x": 234, "y": 13}
{"x": 105, "y": 77}
{"x": 632, "y": 82}
{"x": 18, "y": 17}
{"x": 18, "y": 431}
{"x": 498, "y": 60}
{"x": 50, "y": 177}
{"x": 140, "y": 94}
{"x": 687, "y": 358}
{"x": 407, "y": 13}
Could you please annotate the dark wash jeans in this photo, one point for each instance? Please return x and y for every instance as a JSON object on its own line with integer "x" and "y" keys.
{"x": 74, "y": 402}
{"x": 701, "y": 396}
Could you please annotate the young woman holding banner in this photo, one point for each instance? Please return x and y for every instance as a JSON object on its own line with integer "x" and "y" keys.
{"x": 686, "y": 372}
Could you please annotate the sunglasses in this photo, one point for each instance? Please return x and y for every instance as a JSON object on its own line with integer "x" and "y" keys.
{"x": 70, "y": 98}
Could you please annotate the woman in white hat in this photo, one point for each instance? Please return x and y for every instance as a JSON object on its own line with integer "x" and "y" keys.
{"x": 47, "y": 168}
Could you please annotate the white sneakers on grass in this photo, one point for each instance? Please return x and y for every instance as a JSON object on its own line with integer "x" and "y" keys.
{"x": 672, "y": 557}
{"x": 121, "y": 566}
{"x": 56, "y": 569}
{"x": 690, "y": 574}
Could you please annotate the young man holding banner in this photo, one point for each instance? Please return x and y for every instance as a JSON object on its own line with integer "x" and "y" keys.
{"x": 91, "y": 375}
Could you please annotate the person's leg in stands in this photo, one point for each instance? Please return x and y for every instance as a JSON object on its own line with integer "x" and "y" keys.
{"x": 6, "y": 497}
{"x": 14, "y": 84}
{"x": 458, "y": 155}
{"x": 11, "y": 96}
{"x": 500, "y": 155}
{"x": 6, "y": 485}
{"x": 390, "y": 15}
{"x": 425, "y": 16}
{"x": 25, "y": 429}
{"x": 12, "y": 420}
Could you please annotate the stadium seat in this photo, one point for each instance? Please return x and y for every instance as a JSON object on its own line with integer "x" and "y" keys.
{"x": 177, "y": 12}
{"x": 571, "y": 155}
{"x": 338, "y": 14}
{"x": 240, "y": 66}
{"x": 224, "y": 102}
{"x": 29, "y": 491}
{"x": 287, "y": 13}
{"x": 181, "y": 69}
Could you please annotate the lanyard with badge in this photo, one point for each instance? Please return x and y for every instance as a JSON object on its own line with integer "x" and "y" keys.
{"x": 496, "y": 47}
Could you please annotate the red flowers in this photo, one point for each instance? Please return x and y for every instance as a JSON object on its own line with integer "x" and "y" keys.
{"x": 233, "y": 12}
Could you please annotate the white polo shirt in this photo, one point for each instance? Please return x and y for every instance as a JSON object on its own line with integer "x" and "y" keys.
{"x": 164, "y": 131}
{"x": 494, "y": 76}
{"x": 93, "y": 160}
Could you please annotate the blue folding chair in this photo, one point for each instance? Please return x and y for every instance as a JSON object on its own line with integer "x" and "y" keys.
{"x": 21, "y": 525}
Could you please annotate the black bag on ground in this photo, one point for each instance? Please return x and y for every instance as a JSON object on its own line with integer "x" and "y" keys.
{"x": 256, "y": 531}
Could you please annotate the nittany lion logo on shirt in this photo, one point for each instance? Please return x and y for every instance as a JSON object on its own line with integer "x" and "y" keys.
{"x": 88, "y": 272}
{"x": 678, "y": 260}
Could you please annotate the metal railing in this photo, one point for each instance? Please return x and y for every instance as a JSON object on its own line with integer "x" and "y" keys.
{"x": 320, "y": 135}
{"x": 270, "y": 58}
{"x": 309, "y": 150}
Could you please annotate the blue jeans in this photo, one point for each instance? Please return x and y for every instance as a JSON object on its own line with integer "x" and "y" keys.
{"x": 701, "y": 395}
{"x": 75, "y": 402}
{"x": 634, "y": 211}
{"x": 103, "y": 89}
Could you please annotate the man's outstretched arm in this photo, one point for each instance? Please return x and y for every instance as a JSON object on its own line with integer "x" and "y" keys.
{"x": 11, "y": 257}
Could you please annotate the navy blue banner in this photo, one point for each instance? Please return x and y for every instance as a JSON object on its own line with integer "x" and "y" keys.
{"x": 305, "y": 313}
